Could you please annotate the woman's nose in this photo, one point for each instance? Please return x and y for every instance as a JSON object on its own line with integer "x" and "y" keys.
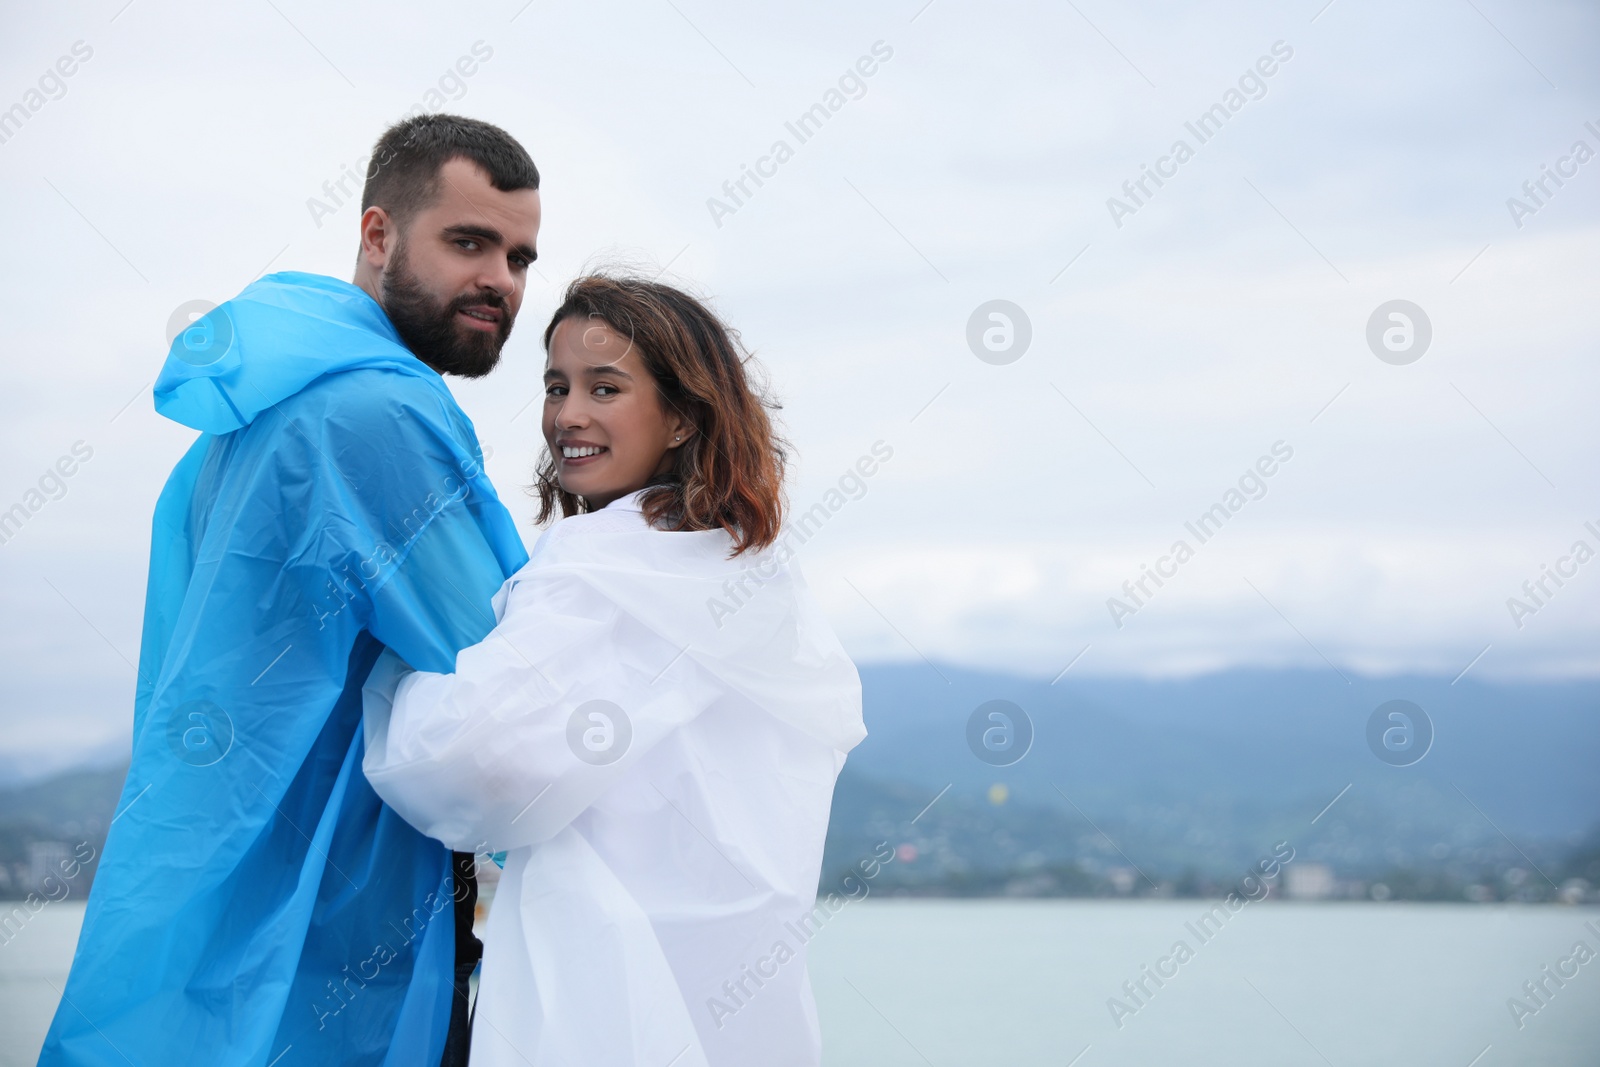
{"x": 571, "y": 416}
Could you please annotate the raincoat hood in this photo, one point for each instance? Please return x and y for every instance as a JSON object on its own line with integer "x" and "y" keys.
{"x": 215, "y": 380}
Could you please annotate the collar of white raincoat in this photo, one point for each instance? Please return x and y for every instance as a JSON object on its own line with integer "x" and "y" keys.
{"x": 749, "y": 620}
{"x": 630, "y": 502}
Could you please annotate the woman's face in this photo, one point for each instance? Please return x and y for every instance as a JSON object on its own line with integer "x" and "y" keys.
{"x": 604, "y": 421}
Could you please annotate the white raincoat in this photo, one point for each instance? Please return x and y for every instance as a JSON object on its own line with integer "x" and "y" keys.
{"x": 653, "y": 731}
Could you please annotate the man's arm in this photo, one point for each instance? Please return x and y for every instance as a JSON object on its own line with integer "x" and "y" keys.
{"x": 426, "y": 542}
{"x": 425, "y": 546}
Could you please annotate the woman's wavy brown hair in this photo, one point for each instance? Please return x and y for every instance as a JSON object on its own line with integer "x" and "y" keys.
{"x": 729, "y": 475}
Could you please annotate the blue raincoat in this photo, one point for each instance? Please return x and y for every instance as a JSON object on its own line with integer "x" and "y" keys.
{"x": 257, "y": 903}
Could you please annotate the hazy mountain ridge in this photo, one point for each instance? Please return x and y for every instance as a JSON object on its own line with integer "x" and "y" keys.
{"x": 1525, "y": 752}
{"x": 1178, "y": 784}
{"x": 1186, "y": 783}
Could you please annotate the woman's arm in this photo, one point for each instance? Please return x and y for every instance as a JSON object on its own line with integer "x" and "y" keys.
{"x": 510, "y": 748}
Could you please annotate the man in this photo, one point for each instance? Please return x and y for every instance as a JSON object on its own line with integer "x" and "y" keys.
{"x": 257, "y": 904}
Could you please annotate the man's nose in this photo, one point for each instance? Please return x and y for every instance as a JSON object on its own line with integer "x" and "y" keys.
{"x": 496, "y": 275}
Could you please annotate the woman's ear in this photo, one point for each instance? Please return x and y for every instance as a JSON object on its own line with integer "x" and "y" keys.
{"x": 679, "y": 430}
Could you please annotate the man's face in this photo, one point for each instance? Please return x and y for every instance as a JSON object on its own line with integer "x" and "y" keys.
{"x": 455, "y": 277}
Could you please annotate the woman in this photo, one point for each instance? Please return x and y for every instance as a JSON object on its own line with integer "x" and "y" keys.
{"x": 653, "y": 729}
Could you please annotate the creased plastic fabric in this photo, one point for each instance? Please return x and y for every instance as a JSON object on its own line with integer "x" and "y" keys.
{"x": 255, "y": 895}
{"x": 648, "y": 870}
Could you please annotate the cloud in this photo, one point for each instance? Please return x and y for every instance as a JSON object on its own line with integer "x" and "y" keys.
{"x": 1228, "y": 314}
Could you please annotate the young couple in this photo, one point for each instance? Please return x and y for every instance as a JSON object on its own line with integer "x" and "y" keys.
{"x": 350, "y": 667}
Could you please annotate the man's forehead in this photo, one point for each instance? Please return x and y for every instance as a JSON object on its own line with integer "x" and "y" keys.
{"x": 465, "y": 193}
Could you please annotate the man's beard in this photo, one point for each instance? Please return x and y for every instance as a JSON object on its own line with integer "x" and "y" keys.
{"x": 430, "y": 330}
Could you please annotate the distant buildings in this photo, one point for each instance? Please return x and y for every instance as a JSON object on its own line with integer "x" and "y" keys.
{"x": 46, "y": 859}
{"x": 1308, "y": 881}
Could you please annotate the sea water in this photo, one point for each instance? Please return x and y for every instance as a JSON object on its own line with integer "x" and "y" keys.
{"x": 1019, "y": 983}
{"x": 1354, "y": 985}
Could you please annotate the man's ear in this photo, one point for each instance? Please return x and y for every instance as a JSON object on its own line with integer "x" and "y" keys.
{"x": 379, "y": 235}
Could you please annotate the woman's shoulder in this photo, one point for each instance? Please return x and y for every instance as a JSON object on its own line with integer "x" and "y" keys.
{"x": 615, "y": 553}
{"x": 621, "y": 530}
{"x": 575, "y": 530}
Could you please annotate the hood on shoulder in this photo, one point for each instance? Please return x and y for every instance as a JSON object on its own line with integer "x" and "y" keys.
{"x": 282, "y": 333}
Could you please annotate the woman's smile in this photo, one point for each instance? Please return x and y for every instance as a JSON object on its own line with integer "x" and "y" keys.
{"x": 580, "y": 453}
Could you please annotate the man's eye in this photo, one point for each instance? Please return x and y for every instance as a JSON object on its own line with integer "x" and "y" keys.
{"x": 467, "y": 244}
{"x": 519, "y": 262}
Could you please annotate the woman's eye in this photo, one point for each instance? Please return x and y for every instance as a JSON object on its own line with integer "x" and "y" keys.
{"x": 605, "y": 390}
{"x": 555, "y": 390}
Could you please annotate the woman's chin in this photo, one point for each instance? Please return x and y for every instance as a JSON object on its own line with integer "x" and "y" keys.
{"x": 593, "y": 496}
{"x": 595, "y": 493}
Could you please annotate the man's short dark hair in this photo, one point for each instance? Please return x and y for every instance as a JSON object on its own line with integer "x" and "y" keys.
{"x": 403, "y": 175}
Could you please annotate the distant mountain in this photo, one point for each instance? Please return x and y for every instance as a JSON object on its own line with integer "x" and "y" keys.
{"x": 1204, "y": 775}
{"x": 77, "y": 802}
{"x": 1179, "y": 784}
{"x": 1524, "y": 752}
{"x": 69, "y": 810}
{"x": 18, "y": 769}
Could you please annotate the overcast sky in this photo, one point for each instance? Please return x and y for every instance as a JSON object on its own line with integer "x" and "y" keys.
{"x": 1176, "y": 338}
